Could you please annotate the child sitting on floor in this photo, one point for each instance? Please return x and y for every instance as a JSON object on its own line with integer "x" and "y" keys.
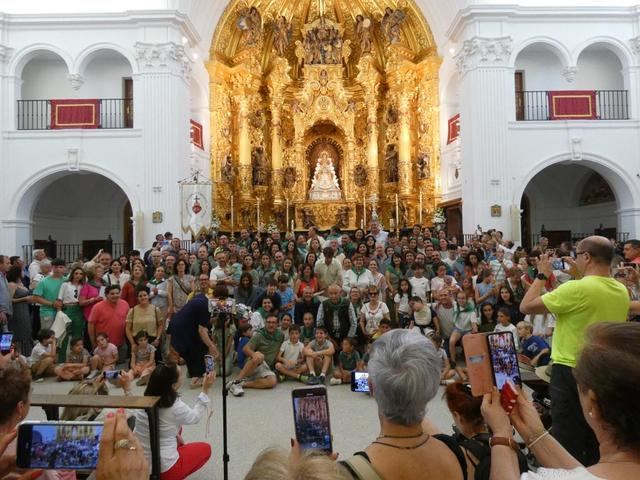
{"x": 143, "y": 361}
{"x": 534, "y": 348}
{"x": 308, "y": 331}
{"x": 76, "y": 365}
{"x": 348, "y": 360}
{"x": 105, "y": 355}
{"x": 43, "y": 355}
{"x": 446, "y": 372}
{"x": 290, "y": 359}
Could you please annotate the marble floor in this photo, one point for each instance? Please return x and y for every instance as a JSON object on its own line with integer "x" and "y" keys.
{"x": 264, "y": 418}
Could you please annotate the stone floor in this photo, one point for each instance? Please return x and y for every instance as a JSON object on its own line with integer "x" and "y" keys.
{"x": 262, "y": 419}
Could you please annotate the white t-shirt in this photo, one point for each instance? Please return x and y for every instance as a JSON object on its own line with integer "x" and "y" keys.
{"x": 171, "y": 420}
{"x": 509, "y": 328}
{"x": 402, "y": 302}
{"x": 69, "y": 293}
{"x": 372, "y": 317}
{"x": 438, "y": 283}
{"x": 419, "y": 287}
{"x": 291, "y": 351}
{"x": 38, "y": 352}
{"x": 579, "y": 473}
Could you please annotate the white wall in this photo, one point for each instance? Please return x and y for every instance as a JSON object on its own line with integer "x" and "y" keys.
{"x": 599, "y": 69}
{"x": 80, "y": 207}
{"x": 542, "y": 70}
{"x": 103, "y": 77}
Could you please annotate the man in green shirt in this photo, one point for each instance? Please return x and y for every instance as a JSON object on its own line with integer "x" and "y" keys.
{"x": 46, "y": 293}
{"x": 593, "y": 297}
{"x": 261, "y": 352}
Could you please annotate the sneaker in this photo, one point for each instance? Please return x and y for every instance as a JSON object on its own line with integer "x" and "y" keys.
{"x": 281, "y": 378}
{"x": 322, "y": 379}
{"x": 39, "y": 380}
{"x": 313, "y": 380}
{"x": 236, "y": 389}
{"x": 92, "y": 375}
{"x": 303, "y": 378}
{"x": 335, "y": 381}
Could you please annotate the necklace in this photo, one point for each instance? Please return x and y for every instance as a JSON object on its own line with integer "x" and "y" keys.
{"x": 417, "y": 435}
{"x": 411, "y": 447}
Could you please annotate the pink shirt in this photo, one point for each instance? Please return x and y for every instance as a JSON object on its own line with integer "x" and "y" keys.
{"x": 110, "y": 318}
{"x": 107, "y": 354}
{"x": 88, "y": 291}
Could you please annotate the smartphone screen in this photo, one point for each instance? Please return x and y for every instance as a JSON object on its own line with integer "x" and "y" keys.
{"x": 311, "y": 417}
{"x": 359, "y": 381}
{"x": 111, "y": 374}
{"x": 209, "y": 363}
{"x": 6, "y": 339}
{"x": 59, "y": 445}
{"x": 504, "y": 359}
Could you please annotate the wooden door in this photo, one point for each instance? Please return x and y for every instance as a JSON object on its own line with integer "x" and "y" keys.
{"x": 519, "y": 82}
{"x": 127, "y": 106}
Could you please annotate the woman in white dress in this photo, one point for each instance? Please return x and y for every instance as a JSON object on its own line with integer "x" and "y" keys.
{"x": 372, "y": 312}
{"x": 606, "y": 374}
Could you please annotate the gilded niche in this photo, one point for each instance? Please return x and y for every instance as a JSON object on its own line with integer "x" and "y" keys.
{"x": 319, "y": 106}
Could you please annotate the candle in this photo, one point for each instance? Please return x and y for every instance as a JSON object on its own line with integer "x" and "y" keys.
{"x": 287, "y": 222}
{"x": 362, "y": 224}
{"x": 232, "y": 225}
{"x": 258, "y": 216}
{"x": 420, "y": 208}
{"x": 364, "y": 210}
{"x": 292, "y": 226}
{"x": 397, "y": 213}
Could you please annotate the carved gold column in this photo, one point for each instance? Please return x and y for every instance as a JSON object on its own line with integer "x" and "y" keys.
{"x": 244, "y": 148}
{"x": 278, "y": 79}
{"x": 370, "y": 79}
{"x": 404, "y": 148}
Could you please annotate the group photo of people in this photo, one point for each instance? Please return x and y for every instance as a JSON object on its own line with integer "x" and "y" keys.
{"x": 311, "y": 308}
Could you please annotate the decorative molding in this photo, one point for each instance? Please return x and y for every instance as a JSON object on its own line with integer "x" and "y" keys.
{"x": 168, "y": 56}
{"x": 635, "y": 45}
{"x": 76, "y": 80}
{"x": 484, "y": 52}
{"x": 576, "y": 148}
{"x": 5, "y": 54}
{"x": 570, "y": 73}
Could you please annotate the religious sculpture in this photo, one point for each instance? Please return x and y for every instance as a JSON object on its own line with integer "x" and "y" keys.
{"x": 281, "y": 35}
{"x": 323, "y": 44}
{"x": 250, "y": 23}
{"x": 324, "y": 185}
{"x": 257, "y": 119}
{"x": 363, "y": 29}
{"x": 227, "y": 169}
{"x": 246, "y": 216}
{"x": 259, "y": 166}
{"x": 342, "y": 217}
{"x": 423, "y": 166}
{"x": 391, "y": 158}
{"x": 289, "y": 178}
{"x": 392, "y": 115}
{"x": 391, "y": 24}
{"x": 360, "y": 175}
{"x": 308, "y": 218}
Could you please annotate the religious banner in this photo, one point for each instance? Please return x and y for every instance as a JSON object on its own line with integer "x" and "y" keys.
{"x": 195, "y": 209}
{"x": 75, "y": 113}
{"x": 572, "y": 105}
{"x": 454, "y": 129}
{"x": 197, "y": 135}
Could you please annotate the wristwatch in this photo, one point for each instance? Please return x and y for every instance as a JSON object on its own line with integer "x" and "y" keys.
{"x": 504, "y": 441}
{"x": 542, "y": 276}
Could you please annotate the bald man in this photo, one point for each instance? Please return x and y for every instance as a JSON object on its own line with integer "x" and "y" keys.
{"x": 595, "y": 297}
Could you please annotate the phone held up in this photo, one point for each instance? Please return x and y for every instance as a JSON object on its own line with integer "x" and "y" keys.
{"x": 58, "y": 445}
{"x": 360, "y": 381}
{"x": 209, "y": 363}
{"x": 492, "y": 360}
{"x": 6, "y": 340}
{"x": 311, "y": 418}
{"x": 111, "y": 374}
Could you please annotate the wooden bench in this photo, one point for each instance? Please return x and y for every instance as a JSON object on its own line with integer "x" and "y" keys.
{"x": 52, "y": 403}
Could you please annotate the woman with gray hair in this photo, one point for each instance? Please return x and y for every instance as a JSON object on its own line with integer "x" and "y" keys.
{"x": 404, "y": 375}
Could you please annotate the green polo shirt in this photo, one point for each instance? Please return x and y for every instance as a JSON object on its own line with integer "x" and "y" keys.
{"x": 48, "y": 288}
{"x": 268, "y": 345}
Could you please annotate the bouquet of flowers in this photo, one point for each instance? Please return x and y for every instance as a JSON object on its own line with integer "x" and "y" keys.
{"x": 439, "y": 217}
{"x": 271, "y": 227}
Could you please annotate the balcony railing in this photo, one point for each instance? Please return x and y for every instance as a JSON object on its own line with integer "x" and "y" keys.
{"x": 114, "y": 113}
{"x": 534, "y": 105}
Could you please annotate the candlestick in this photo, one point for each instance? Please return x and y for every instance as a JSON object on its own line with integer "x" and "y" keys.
{"x": 364, "y": 210}
{"x": 397, "y": 214}
{"x": 420, "y": 209}
{"x": 258, "y": 216}
{"x": 292, "y": 226}
{"x": 232, "y": 224}
{"x": 362, "y": 224}
{"x": 287, "y": 222}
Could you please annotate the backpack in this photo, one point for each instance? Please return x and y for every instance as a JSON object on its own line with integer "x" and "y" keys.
{"x": 479, "y": 447}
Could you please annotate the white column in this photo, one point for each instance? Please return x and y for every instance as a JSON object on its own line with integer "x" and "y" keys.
{"x": 161, "y": 110}
{"x": 629, "y": 221}
{"x": 487, "y": 104}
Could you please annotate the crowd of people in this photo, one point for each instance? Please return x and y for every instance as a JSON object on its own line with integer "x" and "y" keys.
{"x": 320, "y": 308}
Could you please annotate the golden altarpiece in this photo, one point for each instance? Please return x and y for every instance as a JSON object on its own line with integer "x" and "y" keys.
{"x": 322, "y": 110}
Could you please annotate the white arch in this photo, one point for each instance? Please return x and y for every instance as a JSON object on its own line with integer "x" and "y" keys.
{"x": 25, "y": 55}
{"x": 84, "y": 58}
{"x": 621, "y": 182}
{"x": 28, "y": 192}
{"x": 554, "y": 46}
{"x": 614, "y": 45}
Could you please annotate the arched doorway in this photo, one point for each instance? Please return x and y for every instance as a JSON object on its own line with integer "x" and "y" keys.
{"x": 74, "y": 214}
{"x": 568, "y": 201}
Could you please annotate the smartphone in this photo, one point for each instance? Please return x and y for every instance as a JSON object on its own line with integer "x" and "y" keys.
{"x": 6, "y": 340}
{"x": 58, "y": 445}
{"x": 311, "y": 418}
{"x": 360, "y": 381}
{"x": 111, "y": 374}
{"x": 504, "y": 359}
{"x": 476, "y": 353}
{"x": 209, "y": 363}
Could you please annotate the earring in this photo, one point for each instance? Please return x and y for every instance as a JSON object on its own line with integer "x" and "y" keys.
{"x": 591, "y": 414}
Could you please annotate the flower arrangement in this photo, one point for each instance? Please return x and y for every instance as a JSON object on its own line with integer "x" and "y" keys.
{"x": 215, "y": 221}
{"x": 439, "y": 216}
{"x": 271, "y": 227}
